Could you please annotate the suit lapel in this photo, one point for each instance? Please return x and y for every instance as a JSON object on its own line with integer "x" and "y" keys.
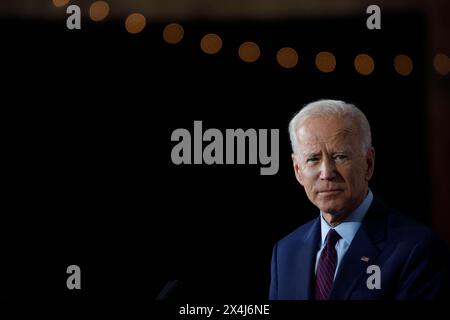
{"x": 306, "y": 261}
{"x": 353, "y": 268}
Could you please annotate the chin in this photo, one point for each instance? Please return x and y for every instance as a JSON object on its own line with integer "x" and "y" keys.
{"x": 331, "y": 209}
{"x": 335, "y": 212}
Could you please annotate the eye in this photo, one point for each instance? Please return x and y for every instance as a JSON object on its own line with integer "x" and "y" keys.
{"x": 340, "y": 157}
{"x": 312, "y": 159}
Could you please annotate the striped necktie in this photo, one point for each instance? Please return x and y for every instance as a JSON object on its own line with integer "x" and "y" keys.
{"x": 326, "y": 267}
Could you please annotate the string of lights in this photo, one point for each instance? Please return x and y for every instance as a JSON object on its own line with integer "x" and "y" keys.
{"x": 250, "y": 52}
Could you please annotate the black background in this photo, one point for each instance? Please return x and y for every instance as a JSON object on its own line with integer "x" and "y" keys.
{"x": 87, "y": 117}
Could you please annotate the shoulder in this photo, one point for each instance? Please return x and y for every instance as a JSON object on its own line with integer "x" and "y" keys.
{"x": 299, "y": 235}
{"x": 404, "y": 230}
{"x": 412, "y": 255}
{"x": 412, "y": 235}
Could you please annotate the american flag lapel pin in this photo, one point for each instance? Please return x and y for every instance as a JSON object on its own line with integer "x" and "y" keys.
{"x": 365, "y": 259}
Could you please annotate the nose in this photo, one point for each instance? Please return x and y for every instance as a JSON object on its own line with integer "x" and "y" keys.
{"x": 327, "y": 169}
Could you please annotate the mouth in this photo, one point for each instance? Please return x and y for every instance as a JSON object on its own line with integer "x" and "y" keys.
{"x": 330, "y": 192}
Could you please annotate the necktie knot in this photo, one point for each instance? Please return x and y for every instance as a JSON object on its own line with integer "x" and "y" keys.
{"x": 332, "y": 237}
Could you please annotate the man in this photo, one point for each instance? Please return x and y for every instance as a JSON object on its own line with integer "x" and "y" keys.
{"x": 357, "y": 248}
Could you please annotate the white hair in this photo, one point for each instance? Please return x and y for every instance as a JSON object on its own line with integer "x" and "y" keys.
{"x": 327, "y": 108}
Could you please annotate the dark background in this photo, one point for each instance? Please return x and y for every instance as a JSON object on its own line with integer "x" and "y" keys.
{"x": 87, "y": 118}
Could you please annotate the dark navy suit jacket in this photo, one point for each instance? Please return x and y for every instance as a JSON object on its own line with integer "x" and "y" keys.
{"x": 414, "y": 264}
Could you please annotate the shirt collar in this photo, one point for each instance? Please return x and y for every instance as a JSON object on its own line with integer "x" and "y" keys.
{"x": 348, "y": 228}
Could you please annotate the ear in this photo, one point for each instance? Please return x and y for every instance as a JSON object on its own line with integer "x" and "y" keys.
{"x": 370, "y": 161}
{"x": 297, "y": 170}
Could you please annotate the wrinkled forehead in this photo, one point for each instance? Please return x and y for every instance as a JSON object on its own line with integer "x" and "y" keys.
{"x": 332, "y": 131}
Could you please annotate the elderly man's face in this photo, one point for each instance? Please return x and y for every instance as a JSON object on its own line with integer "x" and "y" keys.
{"x": 330, "y": 165}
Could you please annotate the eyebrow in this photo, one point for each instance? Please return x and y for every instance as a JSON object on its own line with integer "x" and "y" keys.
{"x": 310, "y": 154}
{"x": 315, "y": 154}
{"x": 348, "y": 150}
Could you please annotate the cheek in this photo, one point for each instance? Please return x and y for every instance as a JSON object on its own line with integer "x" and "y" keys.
{"x": 308, "y": 176}
{"x": 353, "y": 176}
{"x": 309, "y": 171}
